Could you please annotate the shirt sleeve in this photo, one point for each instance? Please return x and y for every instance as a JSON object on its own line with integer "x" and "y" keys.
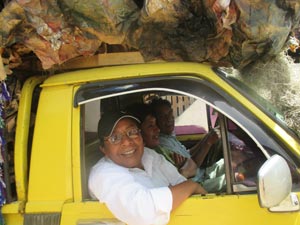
{"x": 130, "y": 201}
{"x": 165, "y": 142}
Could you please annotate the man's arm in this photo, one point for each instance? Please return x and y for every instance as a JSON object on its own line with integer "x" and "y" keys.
{"x": 182, "y": 191}
{"x": 200, "y": 150}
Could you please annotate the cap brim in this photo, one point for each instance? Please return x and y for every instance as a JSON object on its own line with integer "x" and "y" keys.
{"x": 122, "y": 117}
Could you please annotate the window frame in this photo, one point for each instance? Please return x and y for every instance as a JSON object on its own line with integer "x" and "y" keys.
{"x": 189, "y": 85}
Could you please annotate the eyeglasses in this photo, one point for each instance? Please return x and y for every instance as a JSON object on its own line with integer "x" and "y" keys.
{"x": 131, "y": 133}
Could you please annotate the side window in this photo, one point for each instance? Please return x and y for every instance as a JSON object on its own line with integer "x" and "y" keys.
{"x": 244, "y": 155}
{"x": 90, "y": 154}
{"x": 190, "y": 115}
{"x": 246, "y": 158}
{"x": 245, "y": 143}
{"x": 191, "y": 121}
{"x": 184, "y": 110}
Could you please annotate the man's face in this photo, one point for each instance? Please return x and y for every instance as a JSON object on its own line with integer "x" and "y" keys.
{"x": 150, "y": 132}
{"x": 165, "y": 119}
{"x": 129, "y": 151}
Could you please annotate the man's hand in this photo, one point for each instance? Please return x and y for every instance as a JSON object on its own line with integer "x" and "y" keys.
{"x": 200, "y": 190}
{"x": 182, "y": 191}
{"x": 213, "y": 136}
{"x": 178, "y": 159}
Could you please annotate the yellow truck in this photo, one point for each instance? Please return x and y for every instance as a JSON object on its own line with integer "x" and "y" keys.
{"x": 52, "y": 157}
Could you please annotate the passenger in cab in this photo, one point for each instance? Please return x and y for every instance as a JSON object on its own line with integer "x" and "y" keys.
{"x": 138, "y": 185}
{"x": 150, "y": 133}
{"x": 213, "y": 177}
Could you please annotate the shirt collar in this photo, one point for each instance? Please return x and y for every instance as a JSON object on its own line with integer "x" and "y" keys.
{"x": 167, "y": 135}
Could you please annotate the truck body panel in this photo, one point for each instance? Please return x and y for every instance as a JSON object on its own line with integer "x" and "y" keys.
{"x": 52, "y": 172}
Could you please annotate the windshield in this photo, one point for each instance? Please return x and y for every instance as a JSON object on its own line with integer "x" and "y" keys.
{"x": 265, "y": 105}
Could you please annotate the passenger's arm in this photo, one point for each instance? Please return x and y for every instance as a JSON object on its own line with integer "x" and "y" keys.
{"x": 179, "y": 160}
{"x": 182, "y": 191}
{"x": 180, "y": 188}
{"x": 200, "y": 150}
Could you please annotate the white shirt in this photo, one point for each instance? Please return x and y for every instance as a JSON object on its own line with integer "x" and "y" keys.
{"x": 136, "y": 196}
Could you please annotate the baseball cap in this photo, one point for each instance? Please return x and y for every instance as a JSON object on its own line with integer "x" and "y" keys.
{"x": 108, "y": 122}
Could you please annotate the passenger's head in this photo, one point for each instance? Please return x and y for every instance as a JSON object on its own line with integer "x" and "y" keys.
{"x": 120, "y": 139}
{"x": 164, "y": 115}
{"x": 149, "y": 128}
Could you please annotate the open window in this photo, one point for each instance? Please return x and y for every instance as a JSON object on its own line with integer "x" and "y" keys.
{"x": 198, "y": 106}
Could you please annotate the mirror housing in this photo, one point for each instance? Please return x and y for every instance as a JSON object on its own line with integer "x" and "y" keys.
{"x": 274, "y": 182}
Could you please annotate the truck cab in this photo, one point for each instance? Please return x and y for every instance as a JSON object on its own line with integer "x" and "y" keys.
{"x": 56, "y": 144}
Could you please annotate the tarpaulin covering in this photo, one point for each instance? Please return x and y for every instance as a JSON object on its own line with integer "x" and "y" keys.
{"x": 223, "y": 32}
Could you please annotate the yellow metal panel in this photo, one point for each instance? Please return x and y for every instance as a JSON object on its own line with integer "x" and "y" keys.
{"x": 21, "y": 140}
{"x": 208, "y": 210}
{"x": 50, "y": 172}
{"x": 13, "y": 213}
{"x": 228, "y": 210}
{"x": 76, "y": 157}
{"x": 13, "y": 219}
{"x": 168, "y": 69}
{"x": 88, "y": 211}
{"x": 130, "y": 71}
{"x": 44, "y": 206}
{"x": 13, "y": 207}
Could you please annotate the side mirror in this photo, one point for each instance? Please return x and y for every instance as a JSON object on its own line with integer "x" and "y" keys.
{"x": 274, "y": 182}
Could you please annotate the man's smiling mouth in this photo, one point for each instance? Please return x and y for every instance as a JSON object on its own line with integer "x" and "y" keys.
{"x": 128, "y": 153}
